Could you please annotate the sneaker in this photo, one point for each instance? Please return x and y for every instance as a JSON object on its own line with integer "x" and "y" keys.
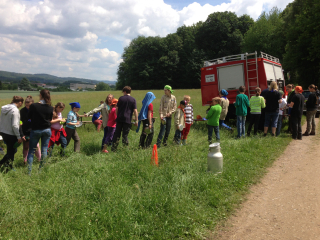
{"x": 312, "y": 133}
{"x": 306, "y": 134}
{"x": 105, "y": 151}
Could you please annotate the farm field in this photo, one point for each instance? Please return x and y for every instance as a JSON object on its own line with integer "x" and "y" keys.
{"x": 90, "y": 195}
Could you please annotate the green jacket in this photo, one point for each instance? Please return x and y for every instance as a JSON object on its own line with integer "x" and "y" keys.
{"x": 256, "y": 103}
{"x": 214, "y": 115}
{"x": 242, "y": 103}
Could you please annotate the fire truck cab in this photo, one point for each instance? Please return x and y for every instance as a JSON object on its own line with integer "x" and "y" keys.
{"x": 231, "y": 72}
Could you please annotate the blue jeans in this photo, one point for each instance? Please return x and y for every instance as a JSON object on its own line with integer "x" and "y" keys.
{"x": 279, "y": 125}
{"x": 35, "y": 136}
{"x": 210, "y": 131}
{"x": 271, "y": 117}
{"x": 221, "y": 123}
{"x": 105, "y": 131}
{"x": 164, "y": 130}
{"x": 241, "y": 126}
{"x": 177, "y": 136}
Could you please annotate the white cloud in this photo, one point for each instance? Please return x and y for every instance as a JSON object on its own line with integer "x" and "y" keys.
{"x": 63, "y": 37}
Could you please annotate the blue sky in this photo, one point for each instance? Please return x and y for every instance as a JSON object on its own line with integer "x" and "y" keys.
{"x": 85, "y": 39}
{"x": 180, "y": 4}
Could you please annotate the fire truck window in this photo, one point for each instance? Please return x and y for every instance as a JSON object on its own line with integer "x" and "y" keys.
{"x": 280, "y": 85}
{"x": 231, "y": 77}
{"x": 278, "y": 71}
{"x": 268, "y": 67}
{"x": 210, "y": 78}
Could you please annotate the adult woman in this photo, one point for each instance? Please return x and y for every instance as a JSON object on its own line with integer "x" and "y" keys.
{"x": 312, "y": 107}
{"x": 41, "y": 115}
{"x": 104, "y": 108}
{"x": 9, "y": 129}
{"x": 26, "y": 129}
{"x": 295, "y": 111}
{"x": 146, "y": 118}
{"x": 273, "y": 98}
{"x": 225, "y": 105}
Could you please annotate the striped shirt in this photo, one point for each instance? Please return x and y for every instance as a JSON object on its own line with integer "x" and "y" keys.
{"x": 189, "y": 113}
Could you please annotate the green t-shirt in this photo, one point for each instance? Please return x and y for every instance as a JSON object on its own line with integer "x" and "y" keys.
{"x": 242, "y": 103}
{"x": 214, "y": 115}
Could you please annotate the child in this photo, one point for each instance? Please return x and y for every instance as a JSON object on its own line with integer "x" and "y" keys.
{"x": 256, "y": 103}
{"x": 213, "y": 117}
{"x": 58, "y": 134}
{"x": 111, "y": 125}
{"x": 282, "y": 106}
{"x": 241, "y": 104}
{"x": 26, "y": 129}
{"x": 146, "y": 119}
{"x": 179, "y": 121}
{"x": 96, "y": 119}
{"x": 189, "y": 119}
{"x": 71, "y": 128}
{"x": 225, "y": 107}
{"x": 168, "y": 106}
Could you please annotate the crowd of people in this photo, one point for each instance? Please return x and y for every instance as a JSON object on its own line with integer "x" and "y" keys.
{"x": 42, "y": 121}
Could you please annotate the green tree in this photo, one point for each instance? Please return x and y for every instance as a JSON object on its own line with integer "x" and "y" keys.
{"x": 302, "y": 33}
{"x": 0, "y": 85}
{"x": 266, "y": 35}
{"x": 101, "y": 86}
{"x": 221, "y": 34}
{"x": 25, "y": 84}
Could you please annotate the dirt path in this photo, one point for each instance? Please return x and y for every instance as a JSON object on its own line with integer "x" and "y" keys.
{"x": 286, "y": 204}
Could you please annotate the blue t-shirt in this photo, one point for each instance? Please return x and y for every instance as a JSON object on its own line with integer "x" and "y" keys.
{"x": 95, "y": 116}
{"x": 72, "y": 118}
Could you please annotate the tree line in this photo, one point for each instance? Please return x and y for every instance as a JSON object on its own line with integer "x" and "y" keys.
{"x": 292, "y": 35}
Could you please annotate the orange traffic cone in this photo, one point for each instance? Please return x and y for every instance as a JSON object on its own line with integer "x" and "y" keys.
{"x": 154, "y": 157}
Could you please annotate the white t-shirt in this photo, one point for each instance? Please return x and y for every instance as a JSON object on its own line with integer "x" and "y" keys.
{"x": 282, "y": 105}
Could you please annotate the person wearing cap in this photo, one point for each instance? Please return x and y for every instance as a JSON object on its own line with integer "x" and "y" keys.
{"x": 168, "y": 105}
{"x": 273, "y": 98}
{"x": 179, "y": 121}
{"x": 146, "y": 118}
{"x": 40, "y": 115}
{"x": 282, "y": 106}
{"x": 104, "y": 108}
{"x": 125, "y": 108}
{"x": 296, "y": 112}
{"x": 72, "y": 121}
{"x": 224, "y": 105}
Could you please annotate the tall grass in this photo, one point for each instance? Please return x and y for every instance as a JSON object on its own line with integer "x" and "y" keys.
{"x": 120, "y": 195}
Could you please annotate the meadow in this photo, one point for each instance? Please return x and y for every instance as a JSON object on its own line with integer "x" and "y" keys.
{"x": 93, "y": 195}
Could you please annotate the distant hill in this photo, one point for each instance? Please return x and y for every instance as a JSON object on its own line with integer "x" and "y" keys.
{"x": 46, "y": 78}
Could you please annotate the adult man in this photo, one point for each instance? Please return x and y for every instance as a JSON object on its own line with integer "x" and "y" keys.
{"x": 295, "y": 112}
{"x": 125, "y": 108}
{"x": 168, "y": 106}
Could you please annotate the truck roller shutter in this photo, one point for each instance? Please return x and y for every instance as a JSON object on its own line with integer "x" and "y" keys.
{"x": 231, "y": 77}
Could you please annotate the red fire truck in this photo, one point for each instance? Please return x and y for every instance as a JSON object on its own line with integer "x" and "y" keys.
{"x": 231, "y": 72}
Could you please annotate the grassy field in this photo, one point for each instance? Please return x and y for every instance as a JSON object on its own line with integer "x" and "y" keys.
{"x": 91, "y": 195}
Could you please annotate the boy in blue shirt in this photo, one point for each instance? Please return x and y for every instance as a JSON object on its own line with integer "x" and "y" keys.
{"x": 71, "y": 123}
